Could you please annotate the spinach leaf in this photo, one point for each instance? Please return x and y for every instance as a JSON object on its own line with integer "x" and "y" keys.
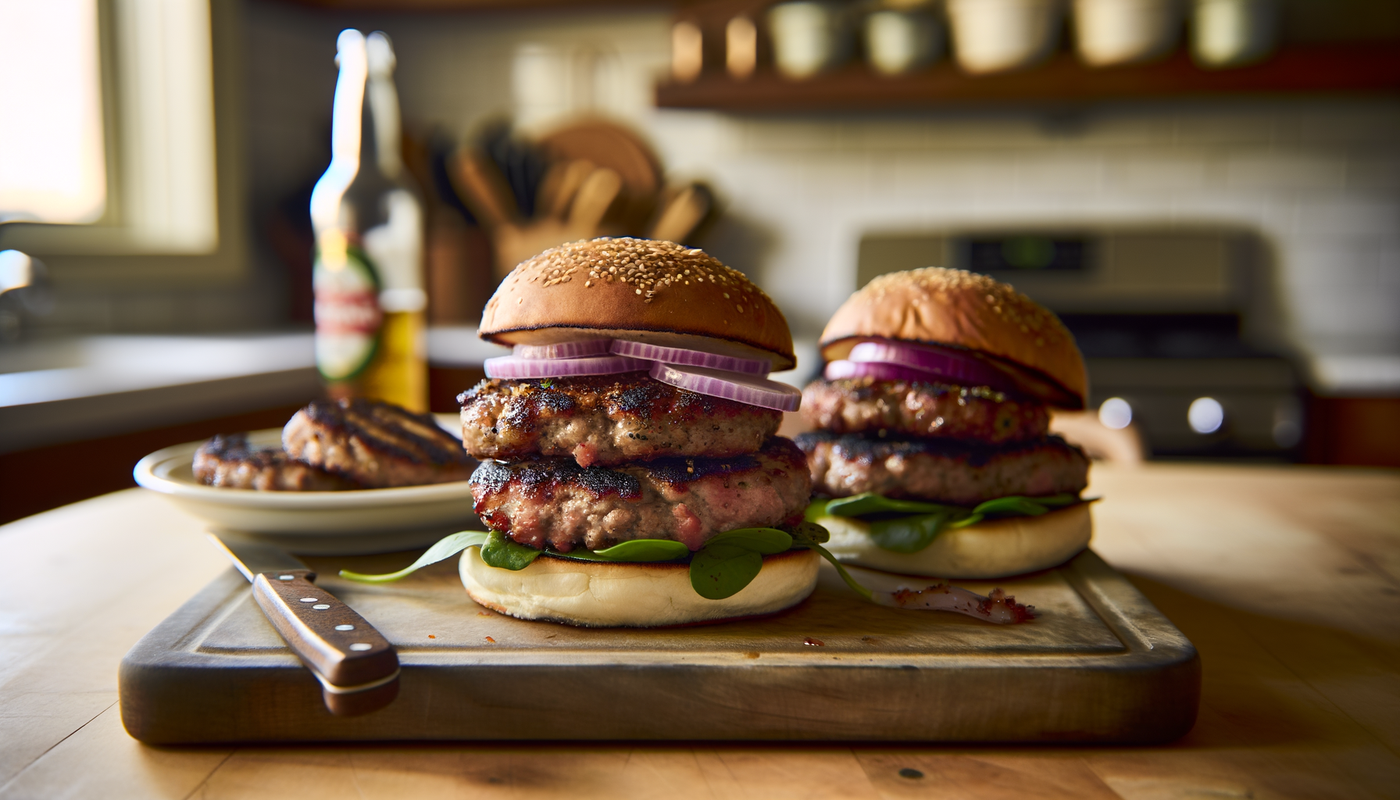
{"x": 806, "y": 537}
{"x": 914, "y": 523}
{"x": 503, "y": 553}
{"x": 633, "y": 551}
{"x": 807, "y": 533}
{"x": 443, "y": 549}
{"x": 731, "y": 560}
{"x": 767, "y": 541}
{"x": 870, "y": 503}
{"x": 1062, "y": 500}
{"x": 1011, "y": 506}
{"x": 1016, "y": 506}
{"x": 721, "y": 571}
{"x": 908, "y": 534}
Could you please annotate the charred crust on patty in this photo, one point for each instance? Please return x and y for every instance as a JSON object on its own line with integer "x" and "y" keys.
{"x": 376, "y": 444}
{"x": 943, "y": 471}
{"x": 541, "y": 477}
{"x": 923, "y": 408}
{"x": 231, "y": 461}
{"x": 555, "y": 502}
{"x": 606, "y": 420}
{"x": 389, "y": 429}
{"x": 866, "y": 449}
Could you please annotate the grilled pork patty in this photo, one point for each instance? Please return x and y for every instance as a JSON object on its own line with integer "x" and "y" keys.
{"x": 924, "y": 409}
{"x": 607, "y": 420}
{"x": 375, "y": 444}
{"x": 229, "y": 461}
{"x": 555, "y": 502}
{"x": 941, "y": 470}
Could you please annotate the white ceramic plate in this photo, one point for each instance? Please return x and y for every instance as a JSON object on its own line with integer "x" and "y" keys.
{"x": 315, "y": 523}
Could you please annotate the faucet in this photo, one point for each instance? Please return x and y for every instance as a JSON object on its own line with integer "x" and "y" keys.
{"x": 24, "y": 290}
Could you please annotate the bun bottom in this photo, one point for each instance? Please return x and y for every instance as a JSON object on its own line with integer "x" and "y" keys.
{"x": 600, "y": 594}
{"x": 994, "y": 549}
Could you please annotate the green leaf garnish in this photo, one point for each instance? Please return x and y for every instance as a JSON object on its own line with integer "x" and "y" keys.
{"x": 908, "y": 526}
{"x": 908, "y": 534}
{"x": 443, "y": 549}
{"x": 728, "y": 563}
{"x": 501, "y": 552}
{"x": 1011, "y": 506}
{"x": 723, "y": 571}
{"x": 731, "y": 560}
{"x": 805, "y": 534}
{"x": 634, "y": 551}
{"x": 870, "y": 503}
{"x": 767, "y": 541}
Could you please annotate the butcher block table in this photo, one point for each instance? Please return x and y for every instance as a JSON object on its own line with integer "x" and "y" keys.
{"x": 1286, "y": 579}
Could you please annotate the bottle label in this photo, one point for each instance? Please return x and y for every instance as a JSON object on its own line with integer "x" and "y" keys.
{"x": 348, "y": 315}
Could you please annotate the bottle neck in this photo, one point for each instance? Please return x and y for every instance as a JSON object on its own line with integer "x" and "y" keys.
{"x": 346, "y": 141}
{"x": 382, "y": 146}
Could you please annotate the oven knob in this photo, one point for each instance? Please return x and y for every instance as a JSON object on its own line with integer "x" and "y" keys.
{"x": 1115, "y": 413}
{"x": 1206, "y": 415}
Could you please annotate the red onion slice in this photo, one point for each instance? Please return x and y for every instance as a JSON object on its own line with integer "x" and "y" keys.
{"x": 517, "y": 367}
{"x": 840, "y": 370}
{"x": 581, "y": 349}
{"x": 747, "y": 389}
{"x": 691, "y": 358}
{"x": 949, "y": 366}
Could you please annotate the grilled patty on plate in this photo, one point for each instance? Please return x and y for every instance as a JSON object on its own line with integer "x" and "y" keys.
{"x": 375, "y": 444}
{"x": 228, "y": 461}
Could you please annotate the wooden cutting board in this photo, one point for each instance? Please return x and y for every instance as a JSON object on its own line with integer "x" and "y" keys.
{"x": 1099, "y": 664}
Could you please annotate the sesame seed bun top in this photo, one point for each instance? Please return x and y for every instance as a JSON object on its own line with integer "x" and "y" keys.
{"x": 964, "y": 310}
{"x": 639, "y": 289}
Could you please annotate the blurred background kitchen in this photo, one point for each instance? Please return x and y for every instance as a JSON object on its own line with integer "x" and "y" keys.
{"x": 1207, "y": 191}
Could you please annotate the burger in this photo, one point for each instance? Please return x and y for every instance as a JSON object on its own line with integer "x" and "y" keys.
{"x": 631, "y": 473}
{"x": 932, "y": 454}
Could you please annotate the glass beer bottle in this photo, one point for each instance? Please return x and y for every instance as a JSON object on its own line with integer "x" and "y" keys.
{"x": 368, "y": 221}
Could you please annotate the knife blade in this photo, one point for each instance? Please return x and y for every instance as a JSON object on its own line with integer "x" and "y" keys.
{"x": 357, "y": 667}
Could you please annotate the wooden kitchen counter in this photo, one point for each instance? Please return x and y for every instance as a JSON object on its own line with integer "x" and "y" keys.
{"x": 1287, "y": 579}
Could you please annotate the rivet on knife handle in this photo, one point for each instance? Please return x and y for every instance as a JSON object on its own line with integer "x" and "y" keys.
{"x": 344, "y": 650}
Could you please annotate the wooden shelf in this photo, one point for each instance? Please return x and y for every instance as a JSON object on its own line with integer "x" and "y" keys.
{"x": 1351, "y": 68}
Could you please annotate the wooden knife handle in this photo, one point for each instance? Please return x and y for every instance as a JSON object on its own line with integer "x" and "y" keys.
{"x": 347, "y": 654}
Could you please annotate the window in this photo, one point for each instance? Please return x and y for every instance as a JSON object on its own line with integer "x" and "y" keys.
{"x": 114, "y": 105}
{"x": 52, "y": 164}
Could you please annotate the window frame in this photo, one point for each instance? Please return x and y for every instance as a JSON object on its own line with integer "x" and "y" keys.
{"x": 114, "y": 252}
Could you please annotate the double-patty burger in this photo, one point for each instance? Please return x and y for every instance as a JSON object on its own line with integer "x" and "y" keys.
{"x": 633, "y": 418}
{"x": 933, "y": 423}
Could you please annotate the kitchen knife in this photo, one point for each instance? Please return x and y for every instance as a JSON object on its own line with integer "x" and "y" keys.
{"x": 357, "y": 667}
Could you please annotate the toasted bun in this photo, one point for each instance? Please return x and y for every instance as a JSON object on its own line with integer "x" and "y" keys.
{"x": 598, "y": 594}
{"x": 993, "y": 549}
{"x": 651, "y": 291}
{"x": 965, "y": 310}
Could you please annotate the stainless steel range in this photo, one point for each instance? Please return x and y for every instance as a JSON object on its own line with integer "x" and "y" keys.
{"x": 1179, "y": 325}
